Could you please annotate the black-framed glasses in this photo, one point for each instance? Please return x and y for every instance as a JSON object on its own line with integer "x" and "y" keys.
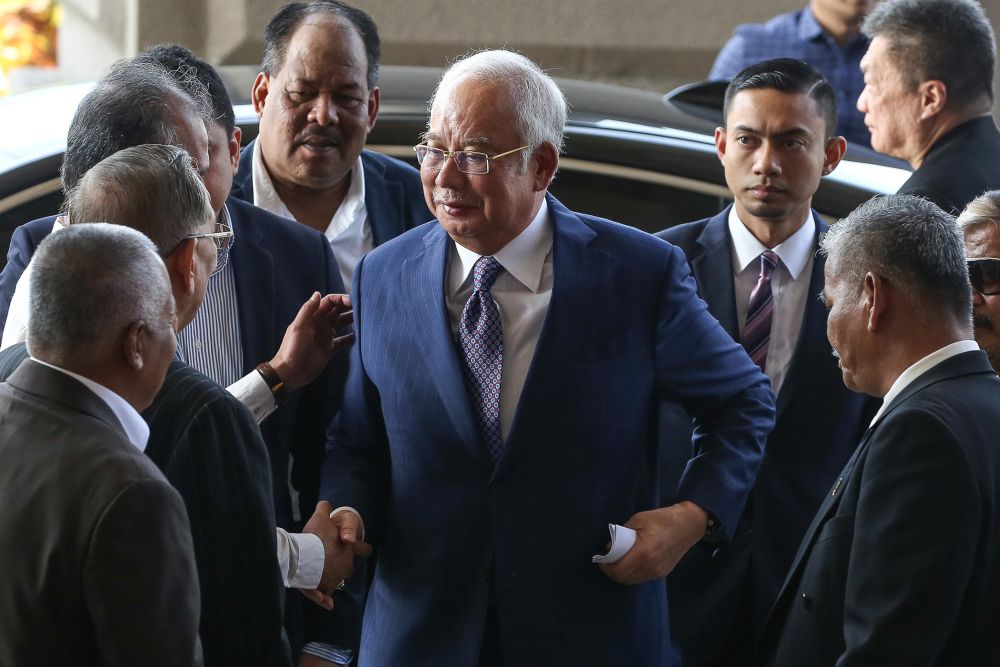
{"x": 468, "y": 162}
{"x": 222, "y": 237}
{"x": 984, "y": 274}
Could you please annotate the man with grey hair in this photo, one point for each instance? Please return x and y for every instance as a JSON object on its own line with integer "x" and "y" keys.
{"x": 94, "y": 542}
{"x": 980, "y": 225}
{"x": 487, "y": 454}
{"x": 902, "y": 562}
{"x": 928, "y": 96}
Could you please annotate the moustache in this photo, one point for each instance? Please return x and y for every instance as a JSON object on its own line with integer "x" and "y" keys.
{"x": 983, "y": 322}
{"x": 323, "y": 133}
{"x": 448, "y": 198}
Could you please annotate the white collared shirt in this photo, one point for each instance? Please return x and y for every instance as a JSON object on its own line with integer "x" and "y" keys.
{"x": 15, "y": 329}
{"x": 789, "y": 287}
{"x": 349, "y": 233}
{"x": 522, "y": 293}
{"x": 135, "y": 427}
{"x": 907, "y": 377}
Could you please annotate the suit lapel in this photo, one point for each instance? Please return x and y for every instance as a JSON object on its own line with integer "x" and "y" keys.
{"x": 383, "y": 201}
{"x": 243, "y": 178}
{"x": 578, "y": 272}
{"x": 812, "y": 334}
{"x": 433, "y": 337}
{"x": 713, "y": 271}
{"x": 253, "y": 273}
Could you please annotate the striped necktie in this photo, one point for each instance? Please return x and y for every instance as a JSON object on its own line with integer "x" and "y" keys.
{"x": 481, "y": 339}
{"x": 757, "y": 331}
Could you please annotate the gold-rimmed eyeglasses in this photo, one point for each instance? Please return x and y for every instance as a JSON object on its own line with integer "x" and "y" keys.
{"x": 222, "y": 237}
{"x": 468, "y": 162}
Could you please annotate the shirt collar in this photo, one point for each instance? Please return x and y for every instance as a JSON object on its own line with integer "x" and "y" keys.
{"x": 136, "y": 429}
{"x": 907, "y": 377}
{"x": 266, "y": 197}
{"x": 523, "y": 257}
{"x": 809, "y": 27}
{"x": 794, "y": 251}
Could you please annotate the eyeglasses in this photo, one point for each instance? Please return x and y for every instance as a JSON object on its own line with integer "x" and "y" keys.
{"x": 984, "y": 274}
{"x": 468, "y": 162}
{"x": 222, "y": 237}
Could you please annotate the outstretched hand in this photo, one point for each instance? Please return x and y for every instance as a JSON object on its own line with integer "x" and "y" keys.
{"x": 313, "y": 337}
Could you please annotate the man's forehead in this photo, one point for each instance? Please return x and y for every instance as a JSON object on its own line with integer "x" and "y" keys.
{"x": 322, "y": 42}
{"x": 982, "y": 239}
{"x": 784, "y": 113}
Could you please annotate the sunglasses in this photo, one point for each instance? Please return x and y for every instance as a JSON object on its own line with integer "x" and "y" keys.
{"x": 984, "y": 274}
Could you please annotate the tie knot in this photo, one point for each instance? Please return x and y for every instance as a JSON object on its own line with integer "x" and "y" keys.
{"x": 485, "y": 273}
{"x": 768, "y": 263}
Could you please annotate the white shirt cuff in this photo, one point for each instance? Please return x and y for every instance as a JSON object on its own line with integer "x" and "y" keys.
{"x": 300, "y": 559}
{"x": 253, "y": 392}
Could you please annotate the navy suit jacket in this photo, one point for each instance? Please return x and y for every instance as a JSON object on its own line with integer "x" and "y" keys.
{"x": 899, "y": 566}
{"x": 818, "y": 423}
{"x": 277, "y": 265}
{"x": 624, "y": 330}
{"x": 394, "y": 198}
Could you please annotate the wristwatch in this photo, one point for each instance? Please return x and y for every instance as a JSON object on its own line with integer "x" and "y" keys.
{"x": 274, "y": 382}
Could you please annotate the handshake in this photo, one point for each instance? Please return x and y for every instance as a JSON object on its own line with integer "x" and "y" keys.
{"x": 342, "y": 535}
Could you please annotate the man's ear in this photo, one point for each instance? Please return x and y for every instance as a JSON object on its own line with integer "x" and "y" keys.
{"x": 545, "y": 157}
{"x": 133, "y": 345}
{"x": 258, "y": 92}
{"x": 876, "y": 299}
{"x": 235, "y": 139}
{"x": 833, "y": 153}
{"x": 720, "y": 143}
{"x": 181, "y": 267}
{"x": 933, "y": 98}
{"x": 374, "y": 100}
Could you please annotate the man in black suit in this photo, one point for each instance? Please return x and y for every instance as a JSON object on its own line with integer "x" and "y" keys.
{"x": 94, "y": 543}
{"x": 928, "y": 96}
{"x": 317, "y": 98}
{"x": 901, "y": 565}
{"x": 777, "y": 143}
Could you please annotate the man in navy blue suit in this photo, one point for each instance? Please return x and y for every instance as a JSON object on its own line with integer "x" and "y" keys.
{"x": 501, "y": 408}
{"x": 777, "y": 143}
{"x": 317, "y": 98}
{"x": 274, "y": 266}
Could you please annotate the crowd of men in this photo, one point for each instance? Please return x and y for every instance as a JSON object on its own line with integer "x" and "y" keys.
{"x": 214, "y": 456}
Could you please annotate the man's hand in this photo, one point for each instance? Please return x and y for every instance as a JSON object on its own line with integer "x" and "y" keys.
{"x": 663, "y": 536}
{"x": 311, "y": 339}
{"x": 341, "y": 545}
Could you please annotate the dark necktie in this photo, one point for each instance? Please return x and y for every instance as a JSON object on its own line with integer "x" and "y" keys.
{"x": 757, "y": 331}
{"x": 481, "y": 337}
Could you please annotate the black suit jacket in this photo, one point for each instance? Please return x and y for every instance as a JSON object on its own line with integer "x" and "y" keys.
{"x": 208, "y": 446}
{"x": 95, "y": 549}
{"x": 901, "y": 565}
{"x": 962, "y": 165}
{"x": 715, "y": 594}
{"x": 394, "y": 197}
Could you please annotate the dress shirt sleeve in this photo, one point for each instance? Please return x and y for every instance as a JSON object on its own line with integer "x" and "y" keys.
{"x": 140, "y": 576}
{"x": 300, "y": 559}
{"x": 15, "y": 330}
{"x": 730, "y": 59}
{"x": 253, "y": 392}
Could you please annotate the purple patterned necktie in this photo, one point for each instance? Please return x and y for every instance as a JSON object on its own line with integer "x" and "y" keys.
{"x": 481, "y": 337}
{"x": 757, "y": 331}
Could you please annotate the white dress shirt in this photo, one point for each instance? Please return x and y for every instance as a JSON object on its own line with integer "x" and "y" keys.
{"x": 789, "y": 287}
{"x": 349, "y": 233}
{"x": 522, "y": 293}
{"x": 136, "y": 429}
{"x": 907, "y": 377}
{"x": 15, "y": 330}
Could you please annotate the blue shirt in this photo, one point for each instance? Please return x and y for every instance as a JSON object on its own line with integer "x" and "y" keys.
{"x": 798, "y": 35}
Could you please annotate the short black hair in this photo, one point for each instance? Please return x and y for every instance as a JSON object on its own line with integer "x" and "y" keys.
{"x": 181, "y": 61}
{"x": 283, "y": 25}
{"x": 945, "y": 40}
{"x": 133, "y": 103}
{"x": 786, "y": 75}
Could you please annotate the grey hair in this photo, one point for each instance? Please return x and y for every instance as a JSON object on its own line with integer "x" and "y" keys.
{"x": 89, "y": 283}
{"x": 152, "y": 188}
{"x": 540, "y": 108}
{"x": 982, "y": 210}
{"x": 910, "y": 242}
{"x": 135, "y": 102}
{"x": 946, "y": 40}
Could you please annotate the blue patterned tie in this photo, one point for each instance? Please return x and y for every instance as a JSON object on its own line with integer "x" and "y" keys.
{"x": 481, "y": 337}
{"x": 757, "y": 332}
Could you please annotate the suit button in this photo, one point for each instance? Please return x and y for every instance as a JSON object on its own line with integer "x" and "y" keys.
{"x": 496, "y": 489}
{"x": 807, "y": 601}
